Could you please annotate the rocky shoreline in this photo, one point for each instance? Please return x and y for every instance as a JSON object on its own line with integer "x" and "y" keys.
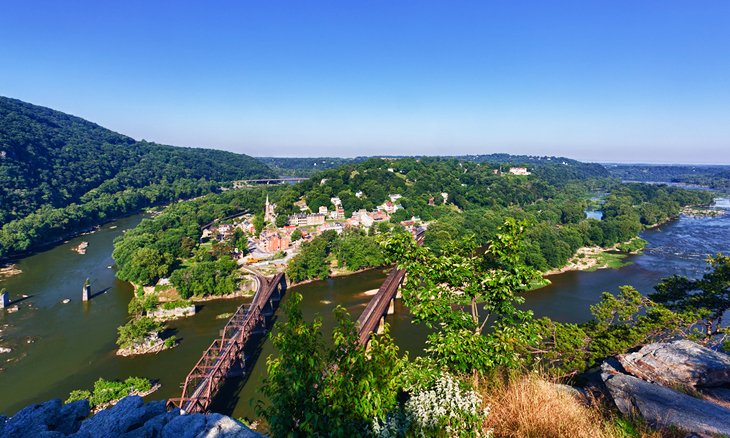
{"x": 130, "y": 417}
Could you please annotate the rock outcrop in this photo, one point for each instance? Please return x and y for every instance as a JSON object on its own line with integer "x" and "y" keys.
{"x": 131, "y": 417}
{"x": 664, "y": 407}
{"x": 679, "y": 384}
{"x": 678, "y": 363}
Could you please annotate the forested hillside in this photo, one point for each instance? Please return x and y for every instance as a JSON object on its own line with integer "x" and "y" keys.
{"x": 715, "y": 177}
{"x": 60, "y": 173}
{"x": 553, "y": 169}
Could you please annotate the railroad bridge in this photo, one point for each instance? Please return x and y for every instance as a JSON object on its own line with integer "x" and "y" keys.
{"x": 227, "y": 352}
{"x": 383, "y": 302}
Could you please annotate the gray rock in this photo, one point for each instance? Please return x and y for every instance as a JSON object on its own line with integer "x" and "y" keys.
{"x": 128, "y": 414}
{"x": 33, "y": 420}
{"x": 207, "y": 426}
{"x": 663, "y": 407}
{"x": 184, "y": 426}
{"x": 71, "y": 416}
{"x": 153, "y": 427}
{"x": 222, "y": 426}
{"x": 678, "y": 363}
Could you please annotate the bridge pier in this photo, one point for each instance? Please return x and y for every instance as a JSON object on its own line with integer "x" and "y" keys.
{"x": 391, "y": 307}
{"x": 4, "y": 299}
{"x": 86, "y": 291}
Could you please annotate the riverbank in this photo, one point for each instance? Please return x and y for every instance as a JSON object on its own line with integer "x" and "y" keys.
{"x": 592, "y": 258}
{"x": 338, "y": 274}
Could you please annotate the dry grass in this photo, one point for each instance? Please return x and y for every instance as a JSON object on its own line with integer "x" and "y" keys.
{"x": 530, "y": 406}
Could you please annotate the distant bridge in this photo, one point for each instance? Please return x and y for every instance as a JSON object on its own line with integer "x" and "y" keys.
{"x": 383, "y": 302}
{"x": 207, "y": 376}
{"x": 249, "y": 182}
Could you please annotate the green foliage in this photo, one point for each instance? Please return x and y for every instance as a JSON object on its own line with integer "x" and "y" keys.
{"x": 621, "y": 322}
{"x": 78, "y": 394}
{"x": 170, "y": 342}
{"x": 140, "y": 306}
{"x": 354, "y": 250}
{"x": 296, "y": 235}
{"x": 458, "y": 293}
{"x": 558, "y": 227}
{"x": 136, "y": 330}
{"x": 240, "y": 241}
{"x": 206, "y": 278}
{"x": 312, "y": 260}
{"x": 106, "y": 391}
{"x": 61, "y": 174}
{"x": 709, "y": 295}
{"x": 320, "y": 390}
{"x": 169, "y": 305}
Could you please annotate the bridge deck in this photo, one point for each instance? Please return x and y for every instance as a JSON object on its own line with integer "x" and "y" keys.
{"x": 369, "y": 320}
{"x": 205, "y": 379}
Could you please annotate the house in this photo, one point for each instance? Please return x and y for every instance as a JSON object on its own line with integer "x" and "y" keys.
{"x": 275, "y": 241}
{"x": 302, "y": 219}
{"x": 361, "y": 217}
{"x": 518, "y": 171}
{"x": 337, "y": 227}
{"x": 394, "y": 197}
{"x": 336, "y": 201}
{"x": 359, "y": 194}
{"x": 338, "y": 213}
{"x": 323, "y": 210}
{"x": 379, "y": 216}
{"x": 389, "y": 207}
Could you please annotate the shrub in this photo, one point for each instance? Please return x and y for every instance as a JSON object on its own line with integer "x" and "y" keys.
{"x": 106, "y": 391}
{"x": 136, "y": 330}
{"x": 445, "y": 407}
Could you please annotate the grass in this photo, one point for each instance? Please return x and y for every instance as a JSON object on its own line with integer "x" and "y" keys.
{"x": 529, "y": 405}
{"x": 609, "y": 260}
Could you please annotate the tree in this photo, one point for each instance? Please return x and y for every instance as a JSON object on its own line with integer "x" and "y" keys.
{"x": 320, "y": 390}
{"x": 258, "y": 223}
{"x": 146, "y": 266}
{"x": 296, "y": 235}
{"x": 621, "y": 322}
{"x": 459, "y": 292}
{"x": 709, "y": 295}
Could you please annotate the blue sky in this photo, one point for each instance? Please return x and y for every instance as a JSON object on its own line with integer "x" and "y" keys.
{"x": 641, "y": 81}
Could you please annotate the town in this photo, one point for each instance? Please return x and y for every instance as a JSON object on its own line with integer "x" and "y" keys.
{"x": 270, "y": 247}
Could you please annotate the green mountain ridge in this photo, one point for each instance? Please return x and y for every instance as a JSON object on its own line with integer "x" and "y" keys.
{"x": 54, "y": 166}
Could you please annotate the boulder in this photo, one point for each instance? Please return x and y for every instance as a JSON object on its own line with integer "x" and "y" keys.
{"x": 33, "y": 420}
{"x": 663, "y": 407}
{"x": 207, "y": 426}
{"x": 678, "y": 363}
{"x": 128, "y": 414}
{"x": 130, "y": 417}
{"x": 71, "y": 416}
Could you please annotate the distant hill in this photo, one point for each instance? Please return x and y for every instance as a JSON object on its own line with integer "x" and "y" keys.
{"x": 713, "y": 176}
{"x": 56, "y": 165}
{"x": 552, "y": 169}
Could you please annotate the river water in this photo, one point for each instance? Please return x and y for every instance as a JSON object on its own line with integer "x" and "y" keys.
{"x": 60, "y": 347}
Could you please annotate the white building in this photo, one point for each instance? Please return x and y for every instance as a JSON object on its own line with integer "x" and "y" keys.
{"x": 518, "y": 171}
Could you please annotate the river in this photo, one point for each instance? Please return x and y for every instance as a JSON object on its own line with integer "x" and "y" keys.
{"x": 60, "y": 347}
